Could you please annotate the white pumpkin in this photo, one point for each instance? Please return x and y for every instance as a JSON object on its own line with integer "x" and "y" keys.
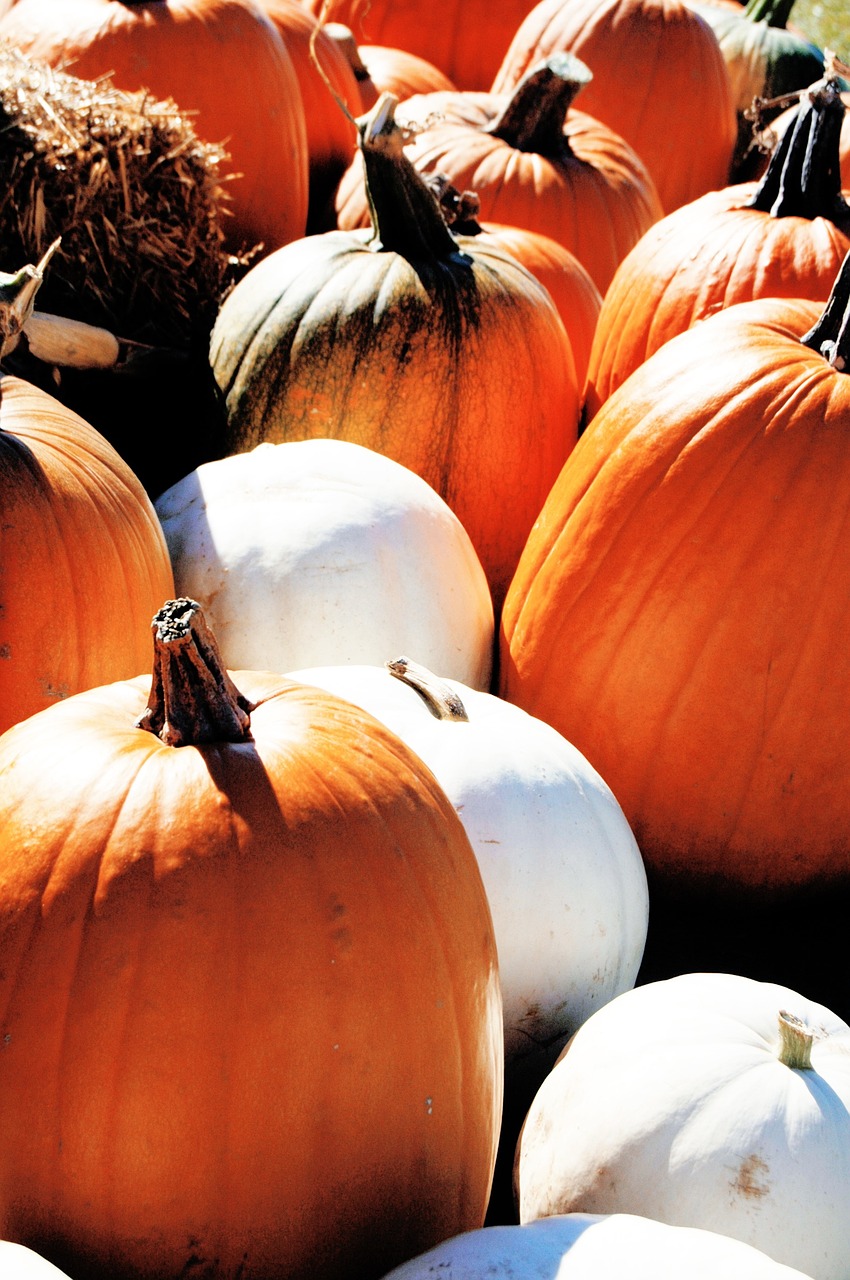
{"x": 17, "y": 1262}
{"x": 706, "y": 1100}
{"x": 582, "y": 1246}
{"x": 564, "y": 876}
{"x": 322, "y": 551}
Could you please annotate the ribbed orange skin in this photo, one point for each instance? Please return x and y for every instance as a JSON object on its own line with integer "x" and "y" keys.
{"x": 463, "y": 373}
{"x": 467, "y": 41}
{"x": 681, "y": 607}
{"x": 597, "y": 202}
{"x": 249, "y": 998}
{"x": 707, "y": 255}
{"x": 659, "y": 80}
{"x": 223, "y": 61}
{"x": 575, "y": 295}
{"x": 83, "y": 561}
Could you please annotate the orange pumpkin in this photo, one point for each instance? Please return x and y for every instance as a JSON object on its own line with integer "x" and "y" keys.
{"x": 572, "y": 290}
{"x": 83, "y": 560}
{"x": 533, "y": 161}
{"x": 450, "y": 359}
{"x": 689, "y": 575}
{"x": 249, "y": 998}
{"x": 659, "y": 80}
{"x": 465, "y": 40}
{"x": 783, "y": 237}
{"x": 221, "y": 60}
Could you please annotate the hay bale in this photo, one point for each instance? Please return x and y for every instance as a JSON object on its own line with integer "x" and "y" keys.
{"x": 137, "y": 198}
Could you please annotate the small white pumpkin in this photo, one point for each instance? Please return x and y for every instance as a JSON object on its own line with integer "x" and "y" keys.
{"x": 582, "y": 1246}
{"x": 562, "y": 870}
{"x": 17, "y": 1262}
{"x": 706, "y": 1100}
{"x": 323, "y": 551}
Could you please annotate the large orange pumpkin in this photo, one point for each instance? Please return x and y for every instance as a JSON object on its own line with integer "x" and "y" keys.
{"x": 785, "y": 236}
{"x": 449, "y": 359}
{"x": 659, "y": 80}
{"x": 222, "y": 60}
{"x": 681, "y": 606}
{"x": 249, "y": 1006}
{"x": 83, "y": 560}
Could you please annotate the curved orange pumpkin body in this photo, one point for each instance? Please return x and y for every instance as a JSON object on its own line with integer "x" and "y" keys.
{"x": 466, "y": 41}
{"x": 659, "y": 80}
{"x": 572, "y": 289}
{"x": 785, "y": 237}
{"x": 249, "y": 1000}
{"x": 221, "y": 60}
{"x": 681, "y": 605}
{"x": 83, "y": 560}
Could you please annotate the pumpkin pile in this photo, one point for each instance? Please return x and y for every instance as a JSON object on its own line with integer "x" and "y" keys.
{"x": 424, "y": 680}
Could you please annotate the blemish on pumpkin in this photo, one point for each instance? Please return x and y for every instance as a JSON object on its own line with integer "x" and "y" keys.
{"x": 5, "y": 651}
{"x": 750, "y": 1180}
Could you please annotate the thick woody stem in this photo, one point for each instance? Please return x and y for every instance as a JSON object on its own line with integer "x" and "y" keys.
{"x": 803, "y": 178}
{"x": 193, "y": 699}
{"x": 534, "y": 116}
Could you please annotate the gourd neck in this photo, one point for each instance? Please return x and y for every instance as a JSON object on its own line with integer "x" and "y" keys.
{"x": 193, "y": 699}
{"x": 795, "y": 1042}
{"x": 440, "y": 698}
{"x": 775, "y": 13}
{"x": 534, "y": 116}
{"x": 406, "y": 218}
{"x": 830, "y": 335}
{"x": 803, "y": 178}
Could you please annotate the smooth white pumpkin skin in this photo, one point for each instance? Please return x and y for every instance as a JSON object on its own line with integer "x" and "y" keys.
{"x": 671, "y": 1102}
{"x": 593, "y": 1247}
{"x": 323, "y": 551}
{"x": 17, "y": 1262}
{"x": 563, "y": 873}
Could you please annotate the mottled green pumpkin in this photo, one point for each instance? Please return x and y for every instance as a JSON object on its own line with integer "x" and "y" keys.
{"x": 448, "y": 357}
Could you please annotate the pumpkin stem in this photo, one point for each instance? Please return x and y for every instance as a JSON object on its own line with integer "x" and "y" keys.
{"x": 192, "y": 698}
{"x": 803, "y": 178}
{"x": 439, "y": 697}
{"x": 774, "y": 12}
{"x": 534, "y": 116}
{"x": 830, "y": 336}
{"x": 795, "y": 1042}
{"x": 406, "y": 218}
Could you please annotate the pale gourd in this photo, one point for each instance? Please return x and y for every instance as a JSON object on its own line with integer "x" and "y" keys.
{"x": 323, "y": 551}
{"x": 563, "y": 873}
{"x": 706, "y": 1100}
{"x": 579, "y": 1246}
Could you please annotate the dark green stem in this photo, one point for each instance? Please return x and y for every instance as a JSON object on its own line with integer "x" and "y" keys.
{"x": 830, "y": 336}
{"x": 774, "y": 12}
{"x": 533, "y": 118}
{"x": 406, "y": 217}
{"x": 193, "y": 699}
{"x": 803, "y": 178}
